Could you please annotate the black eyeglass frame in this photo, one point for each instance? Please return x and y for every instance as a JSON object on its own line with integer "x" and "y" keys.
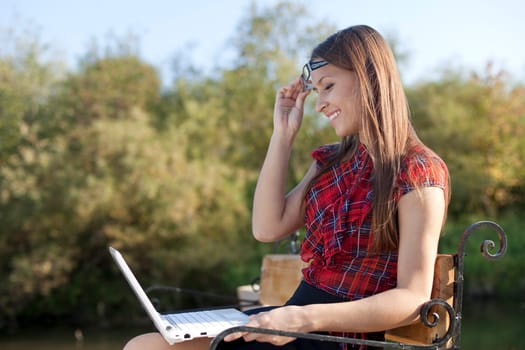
{"x": 307, "y": 73}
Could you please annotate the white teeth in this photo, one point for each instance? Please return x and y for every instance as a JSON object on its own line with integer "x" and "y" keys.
{"x": 334, "y": 115}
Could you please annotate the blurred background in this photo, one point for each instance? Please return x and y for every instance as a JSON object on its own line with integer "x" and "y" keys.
{"x": 143, "y": 125}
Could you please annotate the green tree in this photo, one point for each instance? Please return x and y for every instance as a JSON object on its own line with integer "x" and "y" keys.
{"x": 26, "y": 82}
{"x": 109, "y": 88}
{"x": 477, "y": 124}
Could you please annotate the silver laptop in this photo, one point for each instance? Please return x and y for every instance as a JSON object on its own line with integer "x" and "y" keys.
{"x": 178, "y": 327}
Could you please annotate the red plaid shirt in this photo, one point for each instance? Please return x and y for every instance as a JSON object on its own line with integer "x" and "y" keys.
{"x": 338, "y": 222}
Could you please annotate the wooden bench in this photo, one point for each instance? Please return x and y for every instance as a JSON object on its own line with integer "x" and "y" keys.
{"x": 440, "y": 318}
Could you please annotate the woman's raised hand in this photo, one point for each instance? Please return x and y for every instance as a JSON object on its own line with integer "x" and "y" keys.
{"x": 288, "y": 110}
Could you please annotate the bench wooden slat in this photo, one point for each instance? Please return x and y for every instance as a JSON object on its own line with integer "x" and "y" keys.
{"x": 442, "y": 288}
{"x": 280, "y": 276}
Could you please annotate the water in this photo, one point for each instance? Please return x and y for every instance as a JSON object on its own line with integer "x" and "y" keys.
{"x": 66, "y": 339}
{"x": 487, "y": 326}
{"x": 499, "y": 326}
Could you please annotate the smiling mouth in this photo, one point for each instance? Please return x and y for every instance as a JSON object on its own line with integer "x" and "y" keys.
{"x": 334, "y": 115}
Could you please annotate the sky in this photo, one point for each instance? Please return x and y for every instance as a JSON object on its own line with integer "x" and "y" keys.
{"x": 435, "y": 33}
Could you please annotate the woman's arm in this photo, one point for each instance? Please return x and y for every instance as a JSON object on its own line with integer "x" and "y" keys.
{"x": 420, "y": 217}
{"x": 274, "y": 214}
{"x": 420, "y": 221}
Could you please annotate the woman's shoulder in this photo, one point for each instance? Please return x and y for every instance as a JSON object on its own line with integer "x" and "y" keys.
{"x": 420, "y": 156}
{"x": 421, "y": 166}
{"x": 324, "y": 153}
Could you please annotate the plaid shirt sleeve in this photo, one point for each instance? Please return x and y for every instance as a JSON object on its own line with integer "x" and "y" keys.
{"x": 422, "y": 168}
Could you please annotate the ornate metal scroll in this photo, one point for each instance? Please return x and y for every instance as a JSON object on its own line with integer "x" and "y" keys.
{"x": 486, "y": 247}
{"x": 431, "y": 318}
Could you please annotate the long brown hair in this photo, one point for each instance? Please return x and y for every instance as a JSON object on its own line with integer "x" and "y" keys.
{"x": 386, "y": 130}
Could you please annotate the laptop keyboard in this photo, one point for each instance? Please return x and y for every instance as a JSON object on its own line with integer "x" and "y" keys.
{"x": 198, "y": 320}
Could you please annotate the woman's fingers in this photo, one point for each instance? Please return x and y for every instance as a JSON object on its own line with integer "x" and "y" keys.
{"x": 292, "y": 90}
{"x": 267, "y": 338}
{"x": 261, "y": 320}
{"x": 234, "y": 336}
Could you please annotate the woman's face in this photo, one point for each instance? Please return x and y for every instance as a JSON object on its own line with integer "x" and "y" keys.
{"x": 338, "y": 98}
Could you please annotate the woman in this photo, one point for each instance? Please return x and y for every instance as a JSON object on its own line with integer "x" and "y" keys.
{"x": 373, "y": 205}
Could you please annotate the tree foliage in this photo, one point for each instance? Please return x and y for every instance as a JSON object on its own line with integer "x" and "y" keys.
{"x": 477, "y": 124}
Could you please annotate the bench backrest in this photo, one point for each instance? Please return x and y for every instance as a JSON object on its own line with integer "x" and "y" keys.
{"x": 280, "y": 276}
{"x": 442, "y": 288}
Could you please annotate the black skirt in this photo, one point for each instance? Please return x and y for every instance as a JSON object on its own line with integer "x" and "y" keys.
{"x": 305, "y": 294}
